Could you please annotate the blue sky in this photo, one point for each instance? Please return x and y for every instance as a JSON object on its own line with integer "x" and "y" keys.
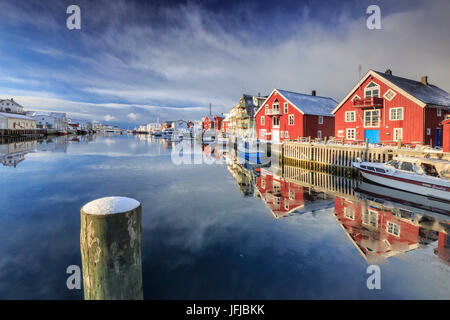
{"x": 133, "y": 62}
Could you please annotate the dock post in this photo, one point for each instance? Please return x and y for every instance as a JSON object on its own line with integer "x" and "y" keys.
{"x": 110, "y": 243}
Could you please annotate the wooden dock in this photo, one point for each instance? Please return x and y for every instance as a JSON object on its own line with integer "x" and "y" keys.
{"x": 22, "y": 133}
{"x": 338, "y": 158}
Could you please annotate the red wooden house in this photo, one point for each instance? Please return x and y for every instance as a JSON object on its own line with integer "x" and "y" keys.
{"x": 213, "y": 122}
{"x": 384, "y": 108}
{"x": 288, "y": 115}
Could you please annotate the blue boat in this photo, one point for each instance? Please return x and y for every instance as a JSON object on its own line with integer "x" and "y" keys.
{"x": 253, "y": 151}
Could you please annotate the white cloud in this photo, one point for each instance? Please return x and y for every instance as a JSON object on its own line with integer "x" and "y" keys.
{"x": 132, "y": 116}
{"x": 109, "y": 117}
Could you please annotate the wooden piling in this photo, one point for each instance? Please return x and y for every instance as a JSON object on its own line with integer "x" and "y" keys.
{"x": 110, "y": 242}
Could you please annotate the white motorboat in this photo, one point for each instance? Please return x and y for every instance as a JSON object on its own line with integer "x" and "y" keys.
{"x": 427, "y": 177}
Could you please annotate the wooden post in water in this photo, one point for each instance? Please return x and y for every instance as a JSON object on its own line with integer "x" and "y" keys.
{"x": 110, "y": 242}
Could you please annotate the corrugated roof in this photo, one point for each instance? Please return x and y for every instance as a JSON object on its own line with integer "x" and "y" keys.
{"x": 14, "y": 116}
{"x": 428, "y": 94}
{"x": 315, "y": 105}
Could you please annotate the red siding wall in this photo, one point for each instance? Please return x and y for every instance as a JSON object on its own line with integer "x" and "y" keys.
{"x": 433, "y": 122}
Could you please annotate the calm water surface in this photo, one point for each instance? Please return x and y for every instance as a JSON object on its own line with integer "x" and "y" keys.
{"x": 218, "y": 231}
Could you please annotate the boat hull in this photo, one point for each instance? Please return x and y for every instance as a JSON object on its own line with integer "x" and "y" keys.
{"x": 422, "y": 188}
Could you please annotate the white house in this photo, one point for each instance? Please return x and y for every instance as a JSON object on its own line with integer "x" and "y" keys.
{"x": 153, "y": 127}
{"x": 10, "y": 106}
{"x": 13, "y": 121}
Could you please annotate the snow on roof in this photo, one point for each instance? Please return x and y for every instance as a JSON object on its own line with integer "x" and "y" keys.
{"x": 14, "y": 116}
{"x": 110, "y": 205}
{"x": 315, "y": 105}
{"x": 428, "y": 94}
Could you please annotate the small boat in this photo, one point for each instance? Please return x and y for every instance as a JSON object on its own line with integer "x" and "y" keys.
{"x": 426, "y": 177}
{"x": 253, "y": 151}
{"x": 62, "y": 133}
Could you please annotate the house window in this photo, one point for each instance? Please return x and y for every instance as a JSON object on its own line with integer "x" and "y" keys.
{"x": 262, "y": 133}
{"x": 276, "y": 201}
{"x": 372, "y": 90}
{"x": 389, "y": 95}
{"x": 320, "y": 119}
{"x": 276, "y": 122}
{"x": 372, "y": 118}
{"x": 263, "y": 183}
{"x": 350, "y": 116}
{"x": 393, "y": 228}
{"x": 267, "y": 108}
{"x": 275, "y": 107}
{"x": 286, "y": 134}
{"x": 396, "y": 114}
{"x": 291, "y": 195}
{"x": 262, "y": 120}
{"x": 428, "y": 131}
{"x": 286, "y": 205}
{"x": 398, "y": 134}
{"x": 349, "y": 213}
{"x": 439, "y": 112}
{"x": 281, "y": 134}
{"x": 370, "y": 218}
{"x": 286, "y": 109}
{"x": 351, "y": 133}
{"x": 291, "y": 119}
{"x": 340, "y": 133}
{"x": 319, "y": 134}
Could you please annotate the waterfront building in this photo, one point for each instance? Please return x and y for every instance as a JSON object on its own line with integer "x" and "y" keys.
{"x": 287, "y": 115}
{"x": 212, "y": 122}
{"x": 9, "y": 105}
{"x": 240, "y": 120}
{"x": 15, "y": 121}
{"x": 385, "y": 108}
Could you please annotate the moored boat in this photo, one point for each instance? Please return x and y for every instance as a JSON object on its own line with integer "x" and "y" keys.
{"x": 253, "y": 150}
{"x": 427, "y": 177}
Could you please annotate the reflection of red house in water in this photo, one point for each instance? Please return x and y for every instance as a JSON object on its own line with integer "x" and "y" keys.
{"x": 375, "y": 231}
{"x": 280, "y": 196}
{"x": 443, "y": 249}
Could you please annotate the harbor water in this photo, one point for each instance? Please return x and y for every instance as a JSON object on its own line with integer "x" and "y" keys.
{"x": 217, "y": 229}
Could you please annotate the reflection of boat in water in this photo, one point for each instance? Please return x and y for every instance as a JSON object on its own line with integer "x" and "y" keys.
{"x": 401, "y": 199}
{"x": 254, "y": 151}
{"x": 426, "y": 177}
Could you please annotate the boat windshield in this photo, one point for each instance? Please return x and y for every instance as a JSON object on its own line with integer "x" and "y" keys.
{"x": 394, "y": 163}
{"x": 407, "y": 166}
{"x": 429, "y": 169}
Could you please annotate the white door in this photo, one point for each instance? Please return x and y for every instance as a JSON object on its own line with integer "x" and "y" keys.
{"x": 276, "y": 135}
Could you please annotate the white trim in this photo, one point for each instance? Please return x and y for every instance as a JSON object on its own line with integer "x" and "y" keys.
{"x": 263, "y": 121}
{"x": 388, "y": 91}
{"x": 379, "y": 118}
{"x": 289, "y": 120}
{"x": 390, "y": 115}
{"x": 354, "y": 116}
{"x": 320, "y": 118}
{"x": 394, "y": 133}
{"x": 393, "y": 228}
{"x": 390, "y": 84}
{"x": 286, "y": 106}
{"x": 319, "y": 134}
{"x": 346, "y": 133}
{"x": 276, "y": 91}
{"x": 376, "y": 87}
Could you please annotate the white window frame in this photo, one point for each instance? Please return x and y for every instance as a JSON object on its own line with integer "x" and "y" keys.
{"x": 291, "y": 116}
{"x": 266, "y": 108}
{"x": 379, "y": 118}
{"x": 439, "y": 112}
{"x": 320, "y": 119}
{"x": 319, "y": 134}
{"x": 263, "y": 183}
{"x": 347, "y": 130}
{"x": 262, "y": 132}
{"x": 286, "y": 107}
{"x": 350, "y": 113}
{"x": 286, "y": 134}
{"x": 282, "y": 134}
{"x": 355, "y": 97}
{"x": 286, "y": 205}
{"x": 376, "y": 87}
{"x": 368, "y": 216}
{"x": 428, "y": 131}
{"x": 273, "y": 124}
{"x": 395, "y": 134}
{"x": 349, "y": 214}
{"x": 394, "y": 226}
{"x": 340, "y": 133}
{"x": 388, "y": 93}
{"x": 390, "y": 113}
{"x": 262, "y": 121}
{"x": 275, "y": 105}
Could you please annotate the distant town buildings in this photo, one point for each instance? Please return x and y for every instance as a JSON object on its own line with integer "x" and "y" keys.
{"x": 9, "y": 105}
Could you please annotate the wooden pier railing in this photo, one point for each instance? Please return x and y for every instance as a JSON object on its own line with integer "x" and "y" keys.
{"x": 322, "y": 156}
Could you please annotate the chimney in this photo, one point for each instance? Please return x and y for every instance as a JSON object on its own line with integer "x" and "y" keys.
{"x": 424, "y": 80}
{"x": 389, "y": 72}
{"x": 313, "y": 93}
